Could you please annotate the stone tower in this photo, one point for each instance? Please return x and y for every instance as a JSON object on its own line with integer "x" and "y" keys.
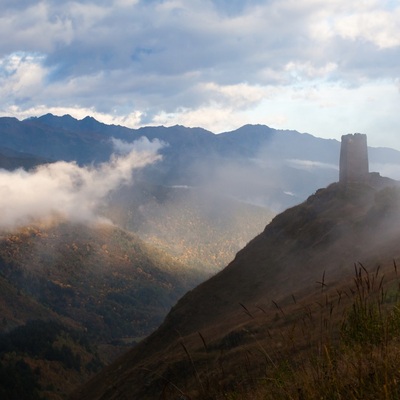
{"x": 353, "y": 159}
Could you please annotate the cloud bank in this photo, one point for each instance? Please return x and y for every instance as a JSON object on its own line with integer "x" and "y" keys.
{"x": 66, "y": 190}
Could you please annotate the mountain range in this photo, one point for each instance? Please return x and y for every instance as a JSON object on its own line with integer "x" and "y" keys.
{"x": 255, "y": 163}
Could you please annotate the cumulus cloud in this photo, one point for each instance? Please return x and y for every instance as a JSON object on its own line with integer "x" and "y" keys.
{"x": 133, "y": 61}
{"x": 67, "y": 190}
{"x": 21, "y": 77}
{"x": 212, "y": 118}
{"x": 379, "y": 27}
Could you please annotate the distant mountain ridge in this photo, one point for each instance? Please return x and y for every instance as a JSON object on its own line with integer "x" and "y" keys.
{"x": 12, "y": 159}
{"x": 274, "y": 168}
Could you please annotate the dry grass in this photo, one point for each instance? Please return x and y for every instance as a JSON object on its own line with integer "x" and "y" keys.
{"x": 342, "y": 344}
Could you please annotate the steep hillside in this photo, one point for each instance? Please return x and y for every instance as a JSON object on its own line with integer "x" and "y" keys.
{"x": 219, "y": 338}
{"x": 100, "y": 284}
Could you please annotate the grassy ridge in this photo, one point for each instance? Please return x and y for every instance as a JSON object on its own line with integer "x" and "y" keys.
{"x": 344, "y": 344}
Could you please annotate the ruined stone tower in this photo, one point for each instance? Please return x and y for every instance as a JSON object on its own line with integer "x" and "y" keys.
{"x": 353, "y": 158}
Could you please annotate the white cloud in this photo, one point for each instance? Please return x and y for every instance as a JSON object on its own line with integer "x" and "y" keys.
{"x": 34, "y": 29}
{"x": 21, "y": 76}
{"x": 381, "y": 28}
{"x": 241, "y": 95}
{"x": 372, "y": 21}
{"x": 208, "y": 63}
{"x": 66, "y": 190}
{"x": 214, "y": 118}
{"x": 142, "y": 145}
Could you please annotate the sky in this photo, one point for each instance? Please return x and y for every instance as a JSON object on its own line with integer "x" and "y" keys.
{"x": 325, "y": 67}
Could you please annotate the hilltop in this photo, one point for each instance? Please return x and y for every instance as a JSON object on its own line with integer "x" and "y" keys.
{"x": 230, "y": 316}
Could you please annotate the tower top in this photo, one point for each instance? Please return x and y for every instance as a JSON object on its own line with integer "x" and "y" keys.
{"x": 353, "y": 158}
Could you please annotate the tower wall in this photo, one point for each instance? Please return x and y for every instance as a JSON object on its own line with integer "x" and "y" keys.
{"x": 353, "y": 158}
